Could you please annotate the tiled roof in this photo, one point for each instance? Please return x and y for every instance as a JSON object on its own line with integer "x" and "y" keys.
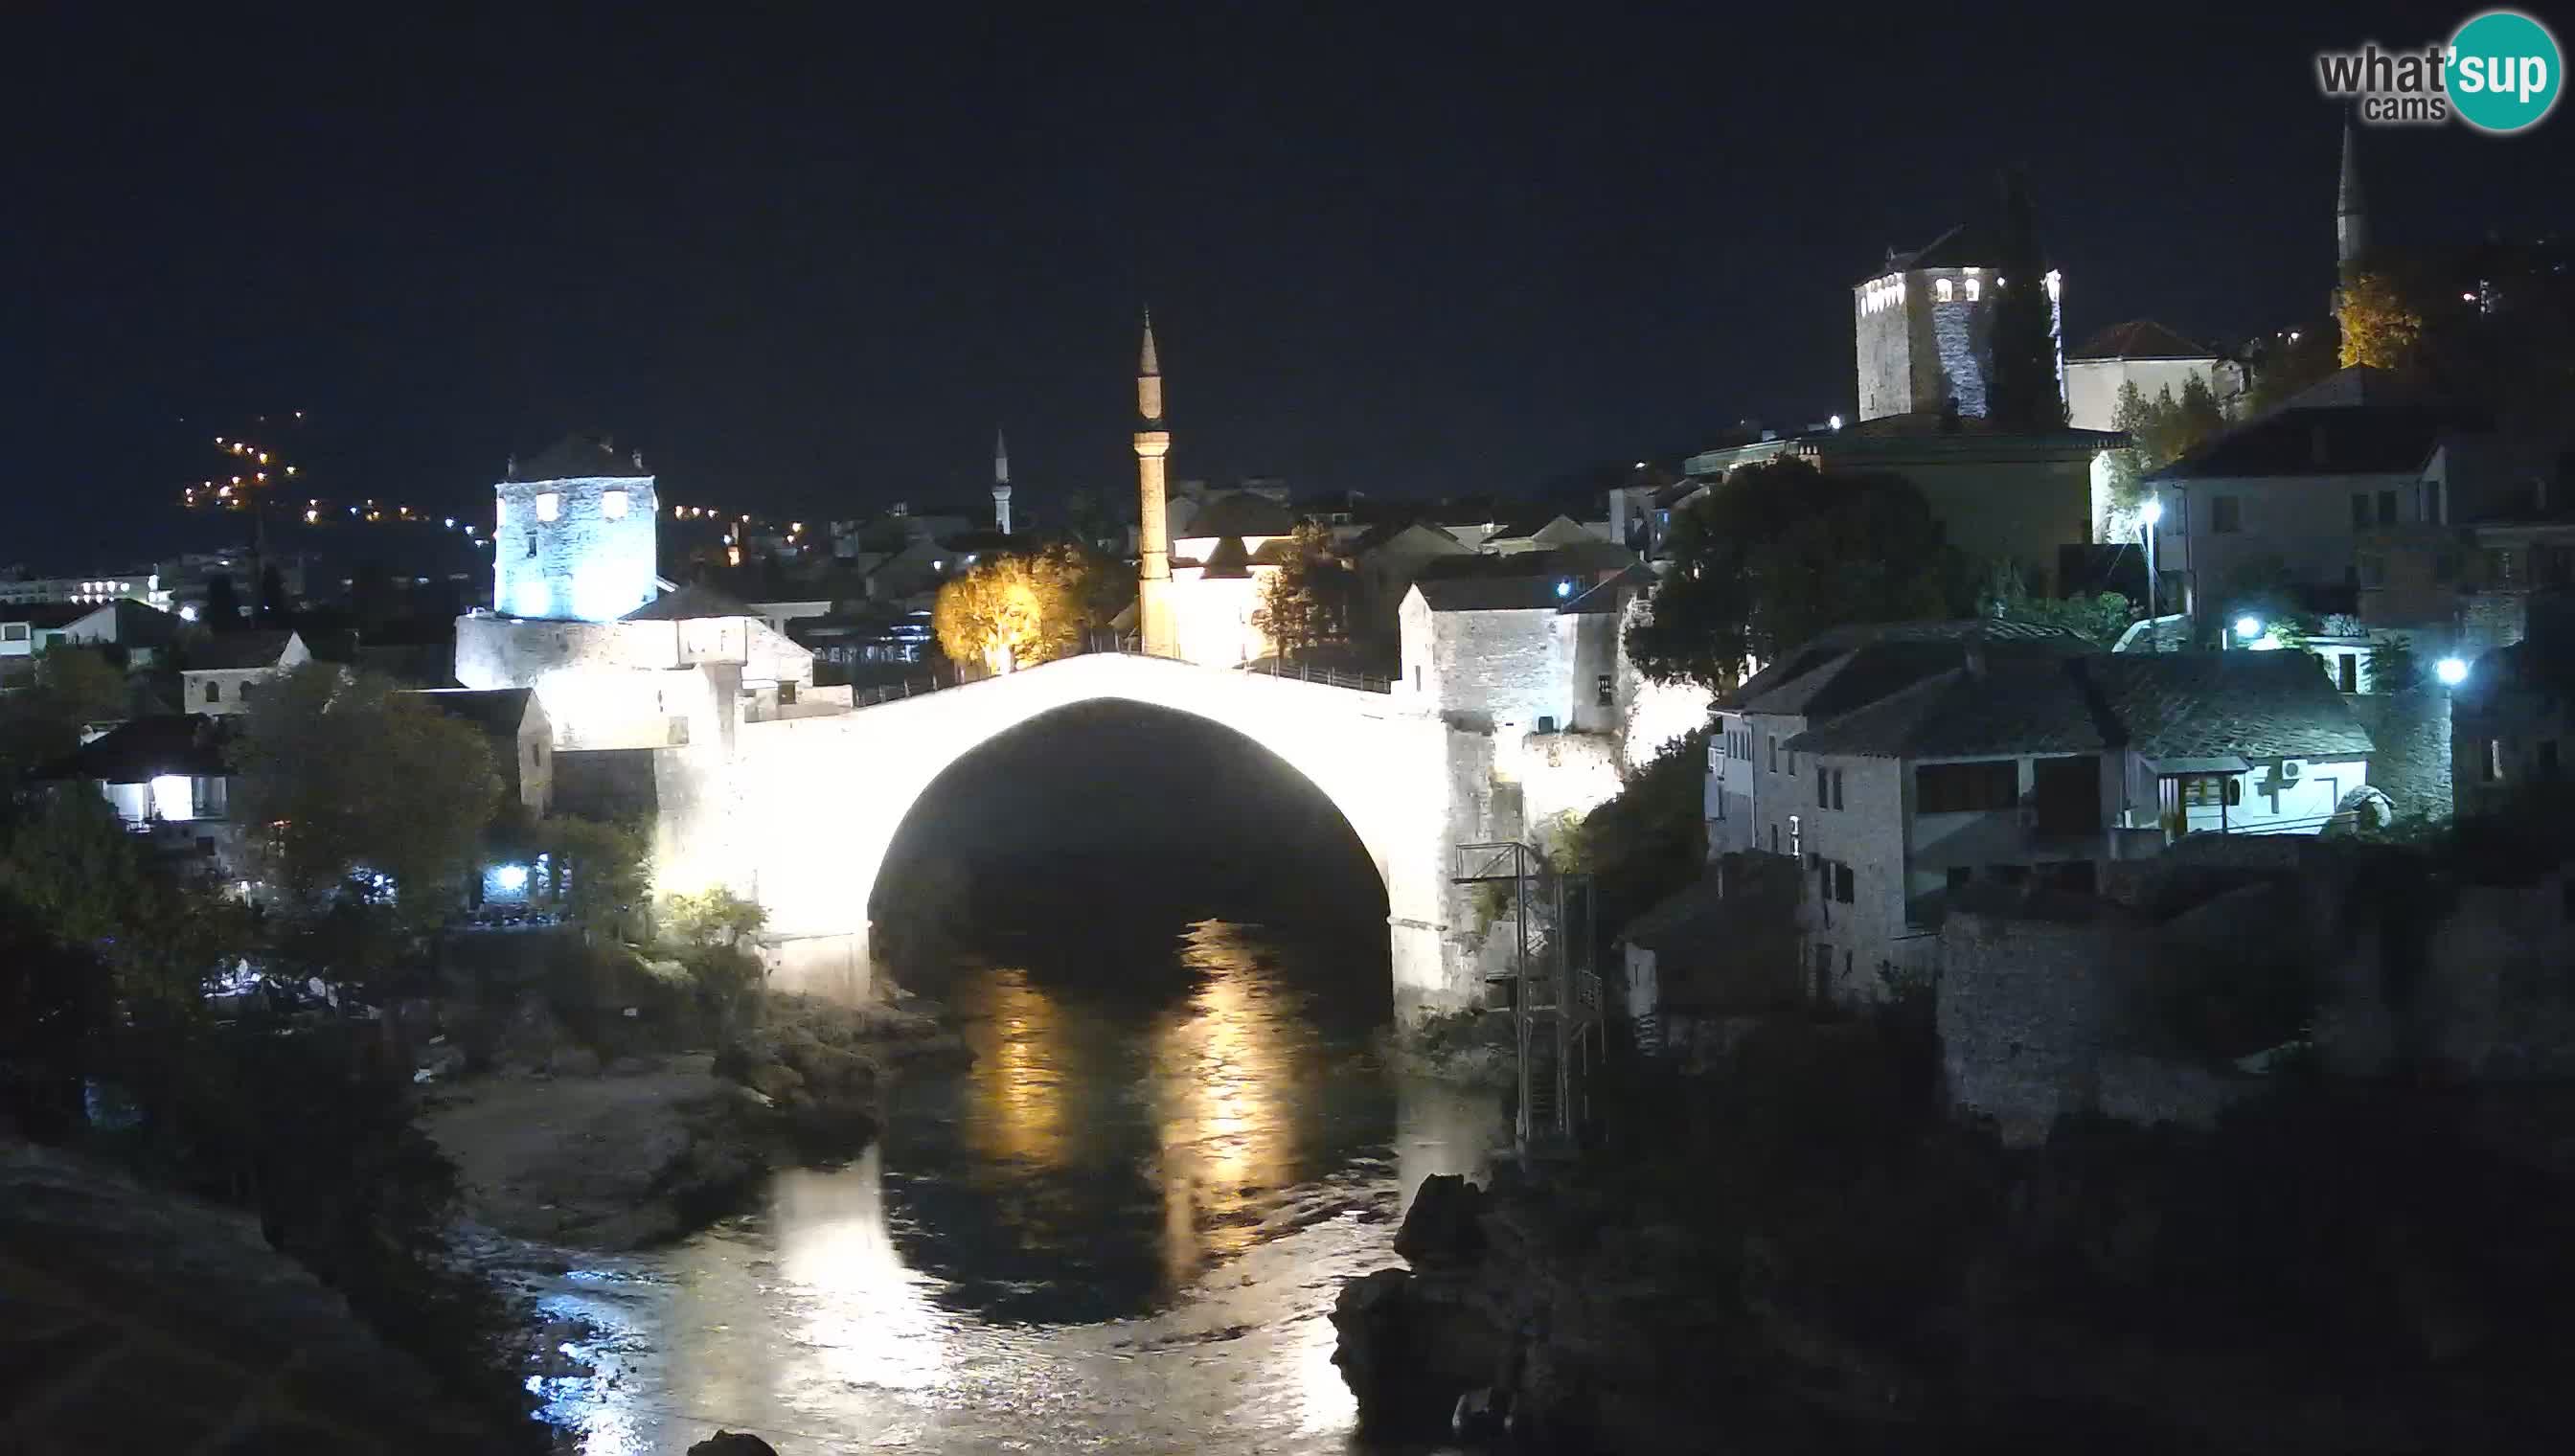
{"x": 144, "y": 748}
{"x": 2251, "y": 704}
{"x": 1491, "y": 594}
{"x": 2325, "y": 441}
{"x": 2139, "y": 339}
{"x": 500, "y": 712}
{"x": 1827, "y": 646}
{"x": 687, "y": 604}
{"x": 238, "y": 651}
{"x": 1240, "y": 513}
{"x": 46, "y": 614}
{"x": 2255, "y": 704}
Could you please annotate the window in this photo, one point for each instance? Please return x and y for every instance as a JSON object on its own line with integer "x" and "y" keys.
{"x": 1966, "y": 787}
{"x": 1842, "y": 883}
{"x": 2387, "y": 507}
{"x": 1837, "y": 789}
{"x": 1975, "y": 289}
{"x": 13, "y": 631}
{"x": 1774, "y": 838}
{"x": 548, "y": 505}
{"x": 1796, "y": 835}
{"x": 1605, "y": 689}
{"x": 1774, "y": 754}
{"x": 2211, "y": 790}
{"x": 611, "y": 503}
{"x": 2347, "y": 669}
{"x": 2490, "y": 763}
{"x": 1823, "y": 798}
{"x": 214, "y": 691}
{"x": 1824, "y": 971}
{"x": 1941, "y": 290}
{"x": 2225, "y": 514}
{"x": 2360, "y": 507}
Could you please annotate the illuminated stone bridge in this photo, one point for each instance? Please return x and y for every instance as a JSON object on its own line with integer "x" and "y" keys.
{"x": 813, "y": 804}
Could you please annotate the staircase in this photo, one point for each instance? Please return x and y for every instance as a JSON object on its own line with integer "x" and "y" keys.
{"x": 1548, "y": 988}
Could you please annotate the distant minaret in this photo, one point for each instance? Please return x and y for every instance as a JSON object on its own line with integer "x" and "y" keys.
{"x": 1000, "y": 483}
{"x": 1153, "y": 540}
{"x": 2351, "y": 210}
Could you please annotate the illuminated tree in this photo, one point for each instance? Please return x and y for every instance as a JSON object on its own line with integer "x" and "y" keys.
{"x": 1307, "y": 600}
{"x": 1015, "y": 611}
{"x": 2379, "y": 327}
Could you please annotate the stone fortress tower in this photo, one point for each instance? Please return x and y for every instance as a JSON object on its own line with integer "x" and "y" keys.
{"x": 1153, "y": 615}
{"x": 1000, "y": 483}
{"x": 1923, "y": 325}
{"x": 574, "y": 536}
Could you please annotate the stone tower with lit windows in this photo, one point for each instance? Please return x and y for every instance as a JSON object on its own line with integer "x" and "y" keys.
{"x": 1923, "y": 326}
{"x": 574, "y": 537}
{"x": 1000, "y": 483}
{"x": 1154, "y": 617}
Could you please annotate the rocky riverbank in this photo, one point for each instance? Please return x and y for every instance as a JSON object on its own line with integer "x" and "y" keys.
{"x": 1769, "y": 1265}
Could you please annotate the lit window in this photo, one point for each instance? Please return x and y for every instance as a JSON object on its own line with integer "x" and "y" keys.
{"x": 1975, "y": 289}
{"x": 548, "y": 505}
{"x": 612, "y": 505}
{"x": 1940, "y": 289}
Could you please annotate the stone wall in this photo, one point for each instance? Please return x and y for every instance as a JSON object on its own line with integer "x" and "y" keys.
{"x": 2411, "y": 762}
{"x": 585, "y": 563}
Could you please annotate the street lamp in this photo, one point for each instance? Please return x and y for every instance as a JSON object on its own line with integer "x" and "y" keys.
{"x": 2248, "y": 627}
{"x": 2451, "y": 671}
{"x": 2152, "y": 514}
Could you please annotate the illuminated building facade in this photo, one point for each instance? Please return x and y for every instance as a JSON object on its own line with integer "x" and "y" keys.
{"x": 574, "y": 535}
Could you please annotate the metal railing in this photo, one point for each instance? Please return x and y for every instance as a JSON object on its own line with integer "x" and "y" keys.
{"x": 1549, "y": 988}
{"x": 1328, "y": 677}
{"x": 938, "y": 681}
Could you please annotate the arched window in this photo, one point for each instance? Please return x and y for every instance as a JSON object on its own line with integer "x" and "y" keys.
{"x": 1940, "y": 289}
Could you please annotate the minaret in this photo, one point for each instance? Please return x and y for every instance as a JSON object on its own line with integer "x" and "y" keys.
{"x": 1153, "y": 540}
{"x": 2351, "y": 211}
{"x": 1000, "y": 483}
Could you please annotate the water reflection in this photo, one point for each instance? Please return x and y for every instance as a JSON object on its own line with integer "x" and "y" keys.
{"x": 1120, "y": 1230}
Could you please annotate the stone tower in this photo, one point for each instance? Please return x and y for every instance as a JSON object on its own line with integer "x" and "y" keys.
{"x": 1000, "y": 483}
{"x": 1153, "y": 618}
{"x": 575, "y": 534}
{"x": 2351, "y": 210}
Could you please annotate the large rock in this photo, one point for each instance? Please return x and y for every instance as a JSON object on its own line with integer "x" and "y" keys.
{"x": 1442, "y": 1229}
{"x": 732, "y": 1443}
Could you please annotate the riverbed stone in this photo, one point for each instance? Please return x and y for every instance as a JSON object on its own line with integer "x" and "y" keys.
{"x": 732, "y": 1443}
{"x": 1443, "y": 1230}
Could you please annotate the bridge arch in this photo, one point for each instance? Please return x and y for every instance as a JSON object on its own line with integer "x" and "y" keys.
{"x": 815, "y": 802}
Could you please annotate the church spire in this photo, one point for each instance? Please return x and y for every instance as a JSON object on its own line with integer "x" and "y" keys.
{"x": 2351, "y": 210}
{"x": 1000, "y": 483}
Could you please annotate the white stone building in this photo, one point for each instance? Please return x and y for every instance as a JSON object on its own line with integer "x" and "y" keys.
{"x": 575, "y": 534}
{"x": 1924, "y": 325}
{"x": 223, "y": 670}
{"x": 2035, "y": 772}
{"x": 2139, "y": 352}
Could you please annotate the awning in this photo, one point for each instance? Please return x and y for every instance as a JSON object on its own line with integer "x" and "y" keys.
{"x": 2222, "y": 764}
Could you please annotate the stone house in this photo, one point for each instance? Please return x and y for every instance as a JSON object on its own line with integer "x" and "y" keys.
{"x": 169, "y": 776}
{"x": 222, "y": 672}
{"x": 522, "y": 740}
{"x": 27, "y": 628}
{"x": 2512, "y": 720}
{"x": 2023, "y": 772}
{"x": 1923, "y": 324}
{"x": 575, "y": 534}
{"x": 1386, "y": 561}
{"x": 1722, "y": 948}
{"x": 1754, "y": 788}
{"x": 2139, "y": 352}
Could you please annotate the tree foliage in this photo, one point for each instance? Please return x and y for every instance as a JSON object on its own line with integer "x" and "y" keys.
{"x": 1778, "y": 553}
{"x": 2288, "y": 366}
{"x": 600, "y": 871}
{"x": 1308, "y": 600}
{"x": 2099, "y": 616}
{"x": 2380, "y": 326}
{"x": 350, "y": 776}
{"x": 74, "y": 687}
{"x": 1016, "y": 611}
{"x": 712, "y": 917}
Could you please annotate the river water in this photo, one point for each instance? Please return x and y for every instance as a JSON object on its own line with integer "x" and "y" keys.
{"x": 1120, "y": 1230}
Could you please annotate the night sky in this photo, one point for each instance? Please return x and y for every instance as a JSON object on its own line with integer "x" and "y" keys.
{"x": 808, "y": 258}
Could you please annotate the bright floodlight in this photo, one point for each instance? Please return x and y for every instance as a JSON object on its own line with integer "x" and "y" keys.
{"x": 511, "y": 877}
{"x": 2152, "y": 513}
{"x": 2248, "y": 627}
{"x": 1836, "y": 422}
{"x": 2451, "y": 671}
{"x": 1564, "y": 589}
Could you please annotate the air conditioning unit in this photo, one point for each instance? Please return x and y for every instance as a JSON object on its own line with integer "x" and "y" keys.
{"x": 2289, "y": 770}
{"x": 1546, "y": 725}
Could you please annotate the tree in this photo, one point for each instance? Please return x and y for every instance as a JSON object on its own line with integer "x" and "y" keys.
{"x": 599, "y": 871}
{"x": 1015, "y": 610}
{"x": 2160, "y": 430}
{"x": 222, "y": 603}
{"x": 1308, "y": 600}
{"x": 2380, "y": 327}
{"x": 2288, "y": 366}
{"x": 74, "y": 687}
{"x": 273, "y": 602}
{"x": 711, "y": 928}
{"x": 368, "y": 793}
{"x": 2024, "y": 392}
{"x": 2100, "y": 617}
{"x": 1778, "y": 553}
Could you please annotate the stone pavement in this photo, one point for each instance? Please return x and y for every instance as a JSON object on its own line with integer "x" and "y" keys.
{"x": 135, "y": 1321}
